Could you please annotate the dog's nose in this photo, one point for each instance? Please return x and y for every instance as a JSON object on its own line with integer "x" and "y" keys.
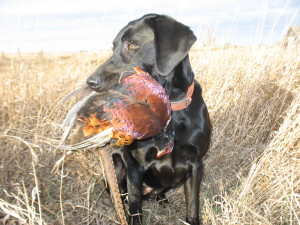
{"x": 93, "y": 82}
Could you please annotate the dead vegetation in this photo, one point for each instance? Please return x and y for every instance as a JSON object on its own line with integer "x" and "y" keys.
{"x": 252, "y": 169}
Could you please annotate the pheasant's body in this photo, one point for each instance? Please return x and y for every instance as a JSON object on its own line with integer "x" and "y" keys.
{"x": 147, "y": 90}
{"x": 139, "y": 109}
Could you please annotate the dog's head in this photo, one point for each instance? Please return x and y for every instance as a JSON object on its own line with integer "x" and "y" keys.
{"x": 156, "y": 43}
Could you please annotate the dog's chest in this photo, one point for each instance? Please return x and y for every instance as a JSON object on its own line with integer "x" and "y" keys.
{"x": 167, "y": 172}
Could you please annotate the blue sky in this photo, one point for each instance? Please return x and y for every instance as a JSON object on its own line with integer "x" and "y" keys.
{"x": 70, "y": 25}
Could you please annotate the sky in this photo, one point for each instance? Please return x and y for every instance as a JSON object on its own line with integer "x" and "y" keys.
{"x": 91, "y": 25}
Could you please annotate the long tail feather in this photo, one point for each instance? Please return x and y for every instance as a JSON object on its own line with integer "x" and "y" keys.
{"x": 97, "y": 140}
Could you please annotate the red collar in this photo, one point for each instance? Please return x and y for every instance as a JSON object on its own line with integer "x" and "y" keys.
{"x": 186, "y": 101}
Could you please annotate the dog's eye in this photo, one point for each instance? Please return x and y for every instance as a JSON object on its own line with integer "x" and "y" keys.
{"x": 132, "y": 47}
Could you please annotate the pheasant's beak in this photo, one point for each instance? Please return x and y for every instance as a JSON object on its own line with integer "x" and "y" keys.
{"x": 167, "y": 150}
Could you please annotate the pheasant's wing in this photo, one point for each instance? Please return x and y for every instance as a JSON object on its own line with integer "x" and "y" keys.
{"x": 71, "y": 117}
{"x": 88, "y": 105}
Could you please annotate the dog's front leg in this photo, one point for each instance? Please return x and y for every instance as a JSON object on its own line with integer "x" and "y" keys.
{"x": 134, "y": 186}
{"x": 191, "y": 190}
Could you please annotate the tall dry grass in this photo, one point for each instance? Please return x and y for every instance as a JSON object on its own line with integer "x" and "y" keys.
{"x": 252, "y": 168}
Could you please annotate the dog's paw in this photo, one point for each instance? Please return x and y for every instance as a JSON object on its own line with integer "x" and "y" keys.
{"x": 193, "y": 221}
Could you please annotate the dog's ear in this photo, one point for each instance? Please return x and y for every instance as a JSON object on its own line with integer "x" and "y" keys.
{"x": 173, "y": 40}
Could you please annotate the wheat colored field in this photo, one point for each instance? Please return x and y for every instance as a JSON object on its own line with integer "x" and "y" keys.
{"x": 252, "y": 171}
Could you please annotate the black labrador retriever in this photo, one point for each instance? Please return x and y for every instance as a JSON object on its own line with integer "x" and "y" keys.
{"x": 159, "y": 45}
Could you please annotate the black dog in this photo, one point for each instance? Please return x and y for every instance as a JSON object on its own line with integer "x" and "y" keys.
{"x": 159, "y": 45}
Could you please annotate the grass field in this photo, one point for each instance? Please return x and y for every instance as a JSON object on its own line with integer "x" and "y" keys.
{"x": 252, "y": 171}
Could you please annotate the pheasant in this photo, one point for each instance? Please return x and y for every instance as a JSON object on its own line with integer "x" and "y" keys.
{"x": 137, "y": 108}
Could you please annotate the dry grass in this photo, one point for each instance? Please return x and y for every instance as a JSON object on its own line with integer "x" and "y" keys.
{"x": 252, "y": 169}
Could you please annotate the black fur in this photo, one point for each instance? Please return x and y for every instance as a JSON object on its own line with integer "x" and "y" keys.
{"x": 159, "y": 45}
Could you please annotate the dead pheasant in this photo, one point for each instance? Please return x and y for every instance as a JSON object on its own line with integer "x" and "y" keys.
{"x": 138, "y": 108}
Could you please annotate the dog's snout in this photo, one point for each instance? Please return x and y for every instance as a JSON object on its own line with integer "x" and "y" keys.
{"x": 94, "y": 82}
